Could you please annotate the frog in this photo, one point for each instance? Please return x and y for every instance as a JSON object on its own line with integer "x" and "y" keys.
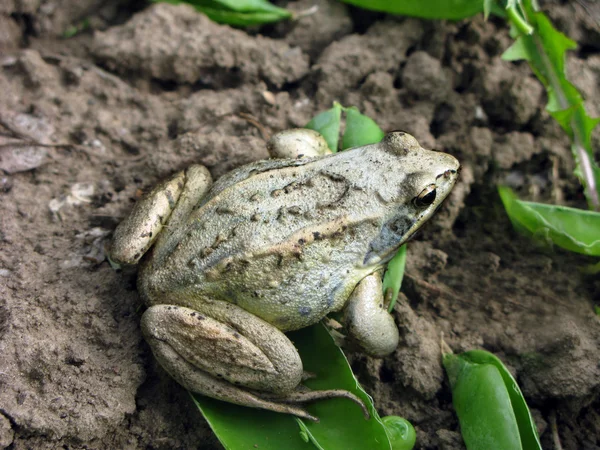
{"x": 227, "y": 268}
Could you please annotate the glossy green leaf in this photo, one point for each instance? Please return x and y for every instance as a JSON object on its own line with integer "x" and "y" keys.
{"x": 342, "y": 424}
{"x": 482, "y": 404}
{"x": 237, "y": 12}
{"x": 328, "y": 124}
{"x": 394, "y": 275}
{"x": 426, "y": 9}
{"x": 545, "y": 49}
{"x": 240, "y": 428}
{"x": 525, "y": 422}
{"x": 360, "y": 129}
{"x": 573, "y": 229}
{"x": 401, "y": 432}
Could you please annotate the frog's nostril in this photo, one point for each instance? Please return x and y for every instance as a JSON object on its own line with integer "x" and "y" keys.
{"x": 447, "y": 174}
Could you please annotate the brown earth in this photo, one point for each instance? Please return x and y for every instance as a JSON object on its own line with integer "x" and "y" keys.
{"x": 138, "y": 95}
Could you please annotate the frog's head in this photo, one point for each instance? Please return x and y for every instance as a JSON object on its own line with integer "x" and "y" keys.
{"x": 415, "y": 187}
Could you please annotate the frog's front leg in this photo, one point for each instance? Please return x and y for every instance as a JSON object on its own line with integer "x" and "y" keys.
{"x": 158, "y": 214}
{"x": 222, "y": 351}
{"x": 367, "y": 321}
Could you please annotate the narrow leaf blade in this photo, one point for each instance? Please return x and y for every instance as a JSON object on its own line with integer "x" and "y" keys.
{"x": 237, "y": 13}
{"x": 432, "y": 9}
{"x": 394, "y": 275}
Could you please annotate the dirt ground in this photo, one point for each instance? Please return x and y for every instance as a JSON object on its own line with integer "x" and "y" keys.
{"x": 143, "y": 91}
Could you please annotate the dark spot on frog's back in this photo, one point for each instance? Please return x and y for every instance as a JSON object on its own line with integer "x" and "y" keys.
{"x": 170, "y": 199}
{"x": 304, "y": 310}
{"x": 223, "y": 210}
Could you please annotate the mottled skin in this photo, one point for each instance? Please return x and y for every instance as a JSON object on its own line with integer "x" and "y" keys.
{"x": 275, "y": 246}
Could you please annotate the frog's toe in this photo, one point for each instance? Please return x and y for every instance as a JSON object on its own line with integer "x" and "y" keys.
{"x": 308, "y": 375}
{"x": 304, "y": 395}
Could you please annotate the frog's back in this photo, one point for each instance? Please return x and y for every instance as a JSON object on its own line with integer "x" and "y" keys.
{"x": 285, "y": 240}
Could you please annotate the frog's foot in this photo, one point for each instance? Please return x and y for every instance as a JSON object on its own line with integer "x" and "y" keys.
{"x": 367, "y": 321}
{"x": 220, "y": 350}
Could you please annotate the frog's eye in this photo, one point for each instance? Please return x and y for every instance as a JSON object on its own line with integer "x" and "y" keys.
{"x": 426, "y": 197}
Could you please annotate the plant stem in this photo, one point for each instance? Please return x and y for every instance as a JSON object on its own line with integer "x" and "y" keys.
{"x": 581, "y": 154}
{"x": 518, "y": 21}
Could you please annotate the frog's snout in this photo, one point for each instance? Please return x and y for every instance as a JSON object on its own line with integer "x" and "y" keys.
{"x": 450, "y": 173}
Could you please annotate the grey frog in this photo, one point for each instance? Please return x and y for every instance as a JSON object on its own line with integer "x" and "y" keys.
{"x": 271, "y": 247}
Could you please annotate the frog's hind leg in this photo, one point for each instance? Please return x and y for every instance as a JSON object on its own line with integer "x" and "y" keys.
{"x": 220, "y": 350}
{"x": 195, "y": 380}
{"x": 166, "y": 206}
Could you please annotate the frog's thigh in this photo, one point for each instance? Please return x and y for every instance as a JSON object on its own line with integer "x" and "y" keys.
{"x": 367, "y": 321}
{"x": 170, "y": 201}
{"x": 201, "y": 382}
{"x": 221, "y": 341}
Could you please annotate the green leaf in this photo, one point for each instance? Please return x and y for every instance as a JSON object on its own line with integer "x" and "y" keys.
{"x": 545, "y": 51}
{"x": 525, "y": 422}
{"x": 429, "y": 9}
{"x": 482, "y": 404}
{"x": 490, "y": 406}
{"x": 342, "y": 424}
{"x": 573, "y": 229}
{"x": 328, "y": 124}
{"x": 237, "y": 12}
{"x": 394, "y": 275}
{"x": 240, "y": 428}
{"x": 360, "y": 130}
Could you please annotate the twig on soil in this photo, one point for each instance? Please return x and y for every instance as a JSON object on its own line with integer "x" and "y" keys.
{"x": 446, "y": 292}
{"x": 52, "y": 57}
{"x": 254, "y": 121}
{"x": 28, "y": 141}
{"x": 554, "y": 430}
